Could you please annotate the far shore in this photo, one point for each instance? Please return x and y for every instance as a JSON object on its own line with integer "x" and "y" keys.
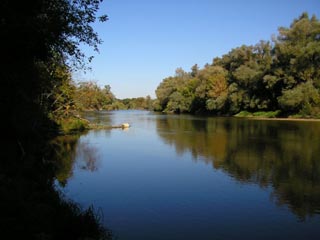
{"x": 283, "y": 119}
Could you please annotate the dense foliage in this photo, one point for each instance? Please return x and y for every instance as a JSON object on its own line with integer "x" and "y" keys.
{"x": 282, "y": 76}
{"x": 89, "y": 96}
{"x": 40, "y": 44}
{"x": 141, "y": 103}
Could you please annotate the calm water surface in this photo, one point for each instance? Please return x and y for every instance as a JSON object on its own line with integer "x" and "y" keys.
{"x": 189, "y": 177}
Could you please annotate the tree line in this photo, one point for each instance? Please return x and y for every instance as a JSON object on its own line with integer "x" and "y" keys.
{"x": 277, "y": 78}
{"x": 89, "y": 96}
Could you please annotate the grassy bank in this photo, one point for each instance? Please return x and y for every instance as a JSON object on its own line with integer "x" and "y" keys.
{"x": 276, "y": 115}
{"x": 72, "y": 125}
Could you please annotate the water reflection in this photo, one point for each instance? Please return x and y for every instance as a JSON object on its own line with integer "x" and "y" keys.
{"x": 65, "y": 151}
{"x": 68, "y": 149}
{"x": 98, "y": 117}
{"x": 87, "y": 156}
{"x": 284, "y": 155}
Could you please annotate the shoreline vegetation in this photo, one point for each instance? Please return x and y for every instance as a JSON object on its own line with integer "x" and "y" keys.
{"x": 273, "y": 115}
{"x": 41, "y": 47}
{"x": 280, "y": 78}
{"x": 78, "y": 125}
{"x": 277, "y": 80}
{"x": 252, "y": 117}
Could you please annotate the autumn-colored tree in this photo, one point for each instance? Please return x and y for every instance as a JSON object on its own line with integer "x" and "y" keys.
{"x": 280, "y": 76}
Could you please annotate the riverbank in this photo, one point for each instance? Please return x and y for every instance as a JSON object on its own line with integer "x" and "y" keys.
{"x": 78, "y": 124}
{"x": 283, "y": 119}
{"x": 273, "y": 115}
{"x": 93, "y": 126}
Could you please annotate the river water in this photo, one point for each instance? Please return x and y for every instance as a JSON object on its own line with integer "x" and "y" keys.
{"x": 191, "y": 177}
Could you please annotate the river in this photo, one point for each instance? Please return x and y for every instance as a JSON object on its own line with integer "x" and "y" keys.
{"x": 173, "y": 177}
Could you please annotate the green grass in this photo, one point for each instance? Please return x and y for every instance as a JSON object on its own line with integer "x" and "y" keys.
{"x": 243, "y": 114}
{"x": 71, "y": 125}
{"x": 269, "y": 114}
{"x": 261, "y": 114}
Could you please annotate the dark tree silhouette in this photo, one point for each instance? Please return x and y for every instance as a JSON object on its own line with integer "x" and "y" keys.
{"x": 39, "y": 39}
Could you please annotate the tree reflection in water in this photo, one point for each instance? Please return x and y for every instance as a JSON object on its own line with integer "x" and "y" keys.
{"x": 87, "y": 156}
{"x": 31, "y": 207}
{"x": 67, "y": 149}
{"x": 282, "y": 154}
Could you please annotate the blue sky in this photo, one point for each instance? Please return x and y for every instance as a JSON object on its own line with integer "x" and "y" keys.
{"x": 144, "y": 41}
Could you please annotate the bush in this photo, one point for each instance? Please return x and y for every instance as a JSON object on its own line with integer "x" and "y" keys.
{"x": 73, "y": 125}
{"x": 269, "y": 114}
{"x": 244, "y": 114}
{"x": 262, "y": 114}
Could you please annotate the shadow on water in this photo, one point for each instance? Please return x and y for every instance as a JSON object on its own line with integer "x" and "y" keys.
{"x": 31, "y": 207}
{"x": 67, "y": 150}
{"x": 283, "y": 155}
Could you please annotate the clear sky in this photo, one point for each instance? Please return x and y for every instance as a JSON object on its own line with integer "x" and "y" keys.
{"x": 144, "y": 41}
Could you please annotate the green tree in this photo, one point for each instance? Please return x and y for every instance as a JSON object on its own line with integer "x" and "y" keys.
{"x": 297, "y": 64}
{"x": 298, "y": 49}
{"x": 62, "y": 95}
{"x": 194, "y": 70}
{"x": 212, "y": 88}
{"x": 283, "y": 75}
{"x": 89, "y": 96}
{"x": 40, "y": 43}
{"x": 37, "y": 35}
{"x": 169, "y": 86}
{"x": 300, "y": 98}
